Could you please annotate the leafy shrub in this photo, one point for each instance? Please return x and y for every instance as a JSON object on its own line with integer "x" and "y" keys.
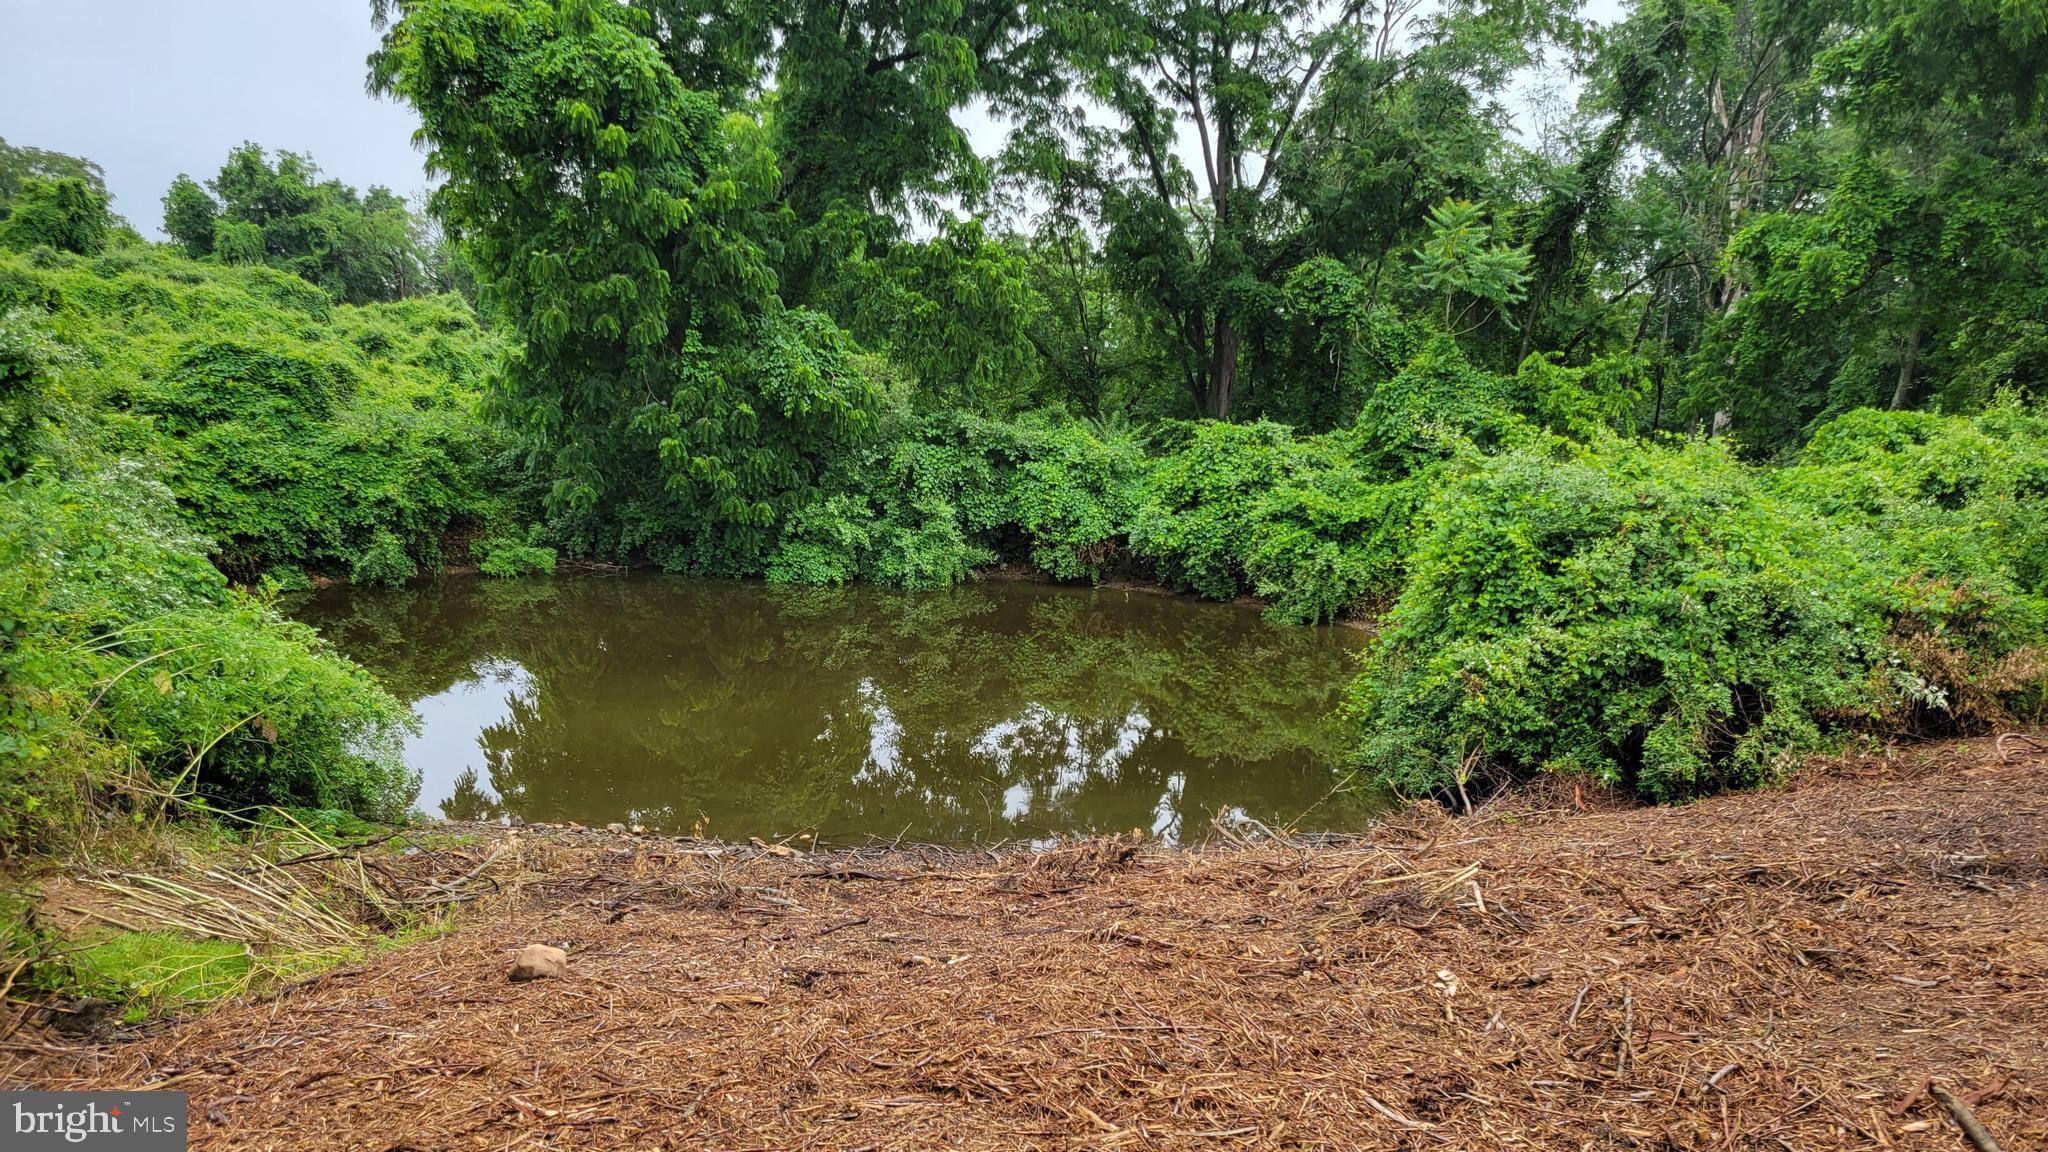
{"x": 125, "y": 651}
{"x": 896, "y": 512}
{"x": 1953, "y": 513}
{"x": 1961, "y": 498}
{"x": 285, "y": 578}
{"x": 27, "y": 356}
{"x": 1329, "y": 540}
{"x": 1647, "y": 614}
{"x": 933, "y": 498}
{"x": 1074, "y": 494}
{"x": 66, "y": 213}
{"x": 824, "y": 542}
{"x": 1194, "y": 522}
{"x": 382, "y": 561}
{"x": 1436, "y": 406}
{"x": 1601, "y": 397}
{"x": 292, "y": 430}
{"x": 1305, "y": 522}
{"x": 506, "y": 556}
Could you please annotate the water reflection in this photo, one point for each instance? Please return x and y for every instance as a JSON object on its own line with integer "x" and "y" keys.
{"x": 998, "y": 710}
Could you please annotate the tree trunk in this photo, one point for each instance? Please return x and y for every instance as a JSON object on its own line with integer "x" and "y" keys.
{"x": 1222, "y": 368}
{"x": 1902, "y": 396}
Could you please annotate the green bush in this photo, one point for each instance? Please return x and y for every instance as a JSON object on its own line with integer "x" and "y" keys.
{"x": 897, "y": 512}
{"x": 1195, "y": 521}
{"x": 506, "y": 556}
{"x": 1434, "y": 408}
{"x": 27, "y": 401}
{"x": 1305, "y": 522}
{"x": 382, "y": 561}
{"x": 1645, "y": 613}
{"x": 1074, "y": 493}
{"x": 125, "y": 651}
{"x": 932, "y": 498}
{"x": 1962, "y": 499}
{"x": 1952, "y": 513}
{"x": 66, "y": 213}
{"x": 292, "y": 430}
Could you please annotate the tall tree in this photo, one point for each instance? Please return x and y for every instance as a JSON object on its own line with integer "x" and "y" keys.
{"x": 614, "y": 216}
{"x": 1570, "y": 232}
{"x": 1733, "y": 127}
{"x": 862, "y": 101}
{"x": 1239, "y": 75}
{"x": 1915, "y": 272}
{"x": 1207, "y": 247}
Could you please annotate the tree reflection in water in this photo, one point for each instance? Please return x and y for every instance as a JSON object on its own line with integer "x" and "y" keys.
{"x": 992, "y": 711}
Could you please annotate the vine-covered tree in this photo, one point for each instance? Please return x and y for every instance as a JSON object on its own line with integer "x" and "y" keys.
{"x": 358, "y": 246}
{"x": 617, "y": 218}
{"x": 65, "y": 212}
{"x": 19, "y": 164}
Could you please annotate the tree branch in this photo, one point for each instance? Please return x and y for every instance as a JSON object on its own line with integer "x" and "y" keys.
{"x": 1308, "y": 79}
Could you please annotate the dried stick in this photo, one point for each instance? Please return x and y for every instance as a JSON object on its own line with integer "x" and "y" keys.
{"x": 1971, "y": 1126}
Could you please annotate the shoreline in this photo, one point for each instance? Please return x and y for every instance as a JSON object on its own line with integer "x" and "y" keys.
{"x": 1788, "y": 966}
{"x": 1362, "y": 617}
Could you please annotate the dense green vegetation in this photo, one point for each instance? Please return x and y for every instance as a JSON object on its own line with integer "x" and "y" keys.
{"x": 1684, "y": 429}
{"x": 167, "y": 425}
{"x": 361, "y": 248}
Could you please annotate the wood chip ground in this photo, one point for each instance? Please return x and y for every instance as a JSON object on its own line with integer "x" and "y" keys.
{"x": 1780, "y": 970}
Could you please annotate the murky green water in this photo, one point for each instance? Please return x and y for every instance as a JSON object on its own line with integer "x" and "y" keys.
{"x": 993, "y": 711}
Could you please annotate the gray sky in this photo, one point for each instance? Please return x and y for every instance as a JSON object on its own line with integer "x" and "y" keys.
{"x": 151, "y": 88}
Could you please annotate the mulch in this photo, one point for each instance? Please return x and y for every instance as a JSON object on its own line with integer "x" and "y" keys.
{"x": 1809, "y": 968}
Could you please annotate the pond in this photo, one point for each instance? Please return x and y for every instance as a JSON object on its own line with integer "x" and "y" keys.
{"x": 994, "y": 711}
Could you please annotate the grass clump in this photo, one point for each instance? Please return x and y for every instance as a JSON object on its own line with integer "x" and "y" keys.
{"x": 151, "y": 973}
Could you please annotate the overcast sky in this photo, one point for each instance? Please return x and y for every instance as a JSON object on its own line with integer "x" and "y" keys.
{"x": 151, "y": 88}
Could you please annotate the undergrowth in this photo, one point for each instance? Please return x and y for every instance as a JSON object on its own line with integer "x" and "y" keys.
{"x": 1554, "y": 593}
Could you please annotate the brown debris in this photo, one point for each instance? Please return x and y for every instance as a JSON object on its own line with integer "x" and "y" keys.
{"x": 1784, "y": 970}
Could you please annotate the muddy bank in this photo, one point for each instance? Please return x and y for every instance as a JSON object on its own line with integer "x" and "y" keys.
{"x": 1773, "y": 970}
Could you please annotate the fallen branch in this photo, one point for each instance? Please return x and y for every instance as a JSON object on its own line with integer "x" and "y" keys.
{"x": 1967, "y": 1119}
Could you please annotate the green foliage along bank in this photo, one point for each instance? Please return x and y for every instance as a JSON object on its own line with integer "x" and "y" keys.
{"x": 1664, "y": 433}
{"x": 132, "y": 670}
{"x": 295, "y": 432}
{"x": 166, "y": 425}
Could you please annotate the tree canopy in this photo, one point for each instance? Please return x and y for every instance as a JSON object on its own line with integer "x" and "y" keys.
{"x": 361, "y": 247}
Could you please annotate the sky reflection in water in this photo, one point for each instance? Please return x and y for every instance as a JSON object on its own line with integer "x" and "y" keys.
{"x": 994, "y": 711}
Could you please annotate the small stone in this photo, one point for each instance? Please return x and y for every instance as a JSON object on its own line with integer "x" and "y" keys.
{"x": 639, "y": 829}
{"x": 539, "y": 962}
{"x": 615, "y": 827}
